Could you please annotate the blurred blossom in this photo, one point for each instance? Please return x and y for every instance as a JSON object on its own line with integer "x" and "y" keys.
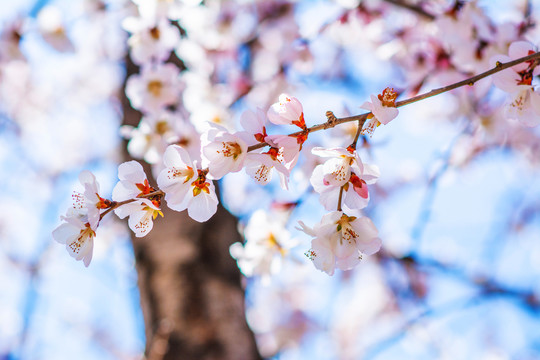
{"x": 450, "y": 222}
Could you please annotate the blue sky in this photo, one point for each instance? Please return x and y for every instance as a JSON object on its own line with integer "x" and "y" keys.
{"x": 462, "y": 229}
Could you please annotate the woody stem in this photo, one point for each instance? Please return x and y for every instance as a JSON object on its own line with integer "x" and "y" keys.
{"x": 340, "y": 198}
{"x": 363, "y": 117}
{"x": 115, "y": 204}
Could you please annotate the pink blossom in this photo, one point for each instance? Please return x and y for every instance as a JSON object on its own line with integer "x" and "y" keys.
{"x": 150, "y": 40}
{"x": 341, "y": 241}
{"x": 260, "y": 166}
{"x": 382, "y": 107}
{"x": 519, "y": 76}
{"x": 254, "y": 123}
{"x": 154, "y": 88}
{"x": 185, "y": 186}
{"x": 78, "y": 235}
{"x": 133, "y": 185}
{"x": 343, "y": 170}
{"x": 267, "y": 243}
{"x": 89, "y": 203}
{"x": 156, "y": 131}
{"x": 524, "y": 102}
{"x": 222, "y": 152}
{"x": 288, "y": 111}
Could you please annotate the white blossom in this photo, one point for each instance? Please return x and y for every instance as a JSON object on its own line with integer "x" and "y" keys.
{"x": 341, "y": 241}
{"x": 344, "y": 170}
{"x": 154, "y": 88}
{"x": 288, "y": 111}
{"x": 222, "y": 152}
{"x": 133, "y": 185}
{"x": 185, "y": 186}
{"x": 150, "y": 40}
{"x": 267, "y": 242}
{"x": 78, "y": 235}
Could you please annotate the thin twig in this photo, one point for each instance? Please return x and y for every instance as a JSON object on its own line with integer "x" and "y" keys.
{"x": 340, "y": 198}
{"x": 414, "y": 8}
{"x": 357, "y": 136}
{"x": 115, "y": 205}
{"x": 362, "y": 117}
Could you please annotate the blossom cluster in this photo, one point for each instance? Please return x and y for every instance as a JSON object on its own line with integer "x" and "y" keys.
{"x": 187, "y": 184}
{"x": 188, "y": 135}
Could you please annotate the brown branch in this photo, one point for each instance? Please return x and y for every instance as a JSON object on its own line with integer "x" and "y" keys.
{"x": 357, "y": 135}
{"x": 340, "y": 198}
{"x": 115, "y": 204}
{"x": 330, "y": 123}
{"x": 414, "y": 8}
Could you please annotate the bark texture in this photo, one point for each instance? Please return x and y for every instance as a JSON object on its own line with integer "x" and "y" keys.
{"x": 191, "y": 294}
{"x": 190, "y": 287}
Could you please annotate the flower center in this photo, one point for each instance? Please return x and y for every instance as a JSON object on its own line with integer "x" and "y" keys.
{"x": 200, "y": 184}
{"x": 388, "y": 97}
{"x": 85, "y": 233}
{"x": 187, "y": 173}
{"x": 154, "y": 87}
{"x": 155, "y": 33}
{"x": 162, "y": 127}
{"x": 145, "y": 188}
{"x": 231, "y": 149}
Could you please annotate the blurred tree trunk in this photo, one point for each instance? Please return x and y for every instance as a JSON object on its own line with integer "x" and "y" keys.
{"x": 191, "y": 294}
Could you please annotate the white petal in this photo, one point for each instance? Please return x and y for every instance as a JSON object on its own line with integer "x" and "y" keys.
{"x": 86, "y": 177}
{"x": 140, "y": 222}
{"x": 131, "y": 171}
{"x": 354, "y": 201}
{"x": 125, "y": 190}
{"x": 349, "y": 262}
{"x": 88, "y": 252}
{"x": 329, "y": 198}
{"x": 65, "y": 232}
{"x": 323, "y": 257}
{"x": 203, "y": 206}
{"x": 176, "y": 156}
{"x": 371, "y": 174}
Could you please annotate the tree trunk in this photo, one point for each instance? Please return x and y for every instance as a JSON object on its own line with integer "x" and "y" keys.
{"x": 190, "y": 287}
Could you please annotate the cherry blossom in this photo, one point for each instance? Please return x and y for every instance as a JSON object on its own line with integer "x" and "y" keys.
{"x": 340, "y": 241}
{"x": 515, "y": 78}
{"x": 524, "y": 102}
{"x": 155, "y": 9}
{"x": 469, "y": 36}
{"x": 78, "y": 235}
{"x": 343, "y": 170}
{"x": 222, "y": 152}
{"x": 175, "y": 180}
{"x": 288, "y": 111}
{"x": 267, "y": 242}
{"x": 10, "y": 38}
{"x": 52, "y": 28}
{"x": 254, "y": 123}
{"x": 260, "y": 166}
{"x": 133, "y": 185}
{"x": 89, "y": 203}
{"x": 154, "y": 88}
{"x": 156, "y": 131}
{"x": 150, "y": 39}
{"x": 185, "y": 186}
{"x": 141, "y": 214}
{"x": 290, "y": 146}
{"x": 383, "y": 109}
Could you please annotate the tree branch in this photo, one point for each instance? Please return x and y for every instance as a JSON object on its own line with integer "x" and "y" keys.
{"x": 416, "y": 9}
{"x": 362, "y": 117}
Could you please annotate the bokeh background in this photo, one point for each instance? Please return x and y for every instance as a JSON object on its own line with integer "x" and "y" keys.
{"x": 459, "y": 214}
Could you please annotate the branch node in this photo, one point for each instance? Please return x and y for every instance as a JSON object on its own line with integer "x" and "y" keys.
{"x": 498, "y": 64}
{"x": 331, "y": 120}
